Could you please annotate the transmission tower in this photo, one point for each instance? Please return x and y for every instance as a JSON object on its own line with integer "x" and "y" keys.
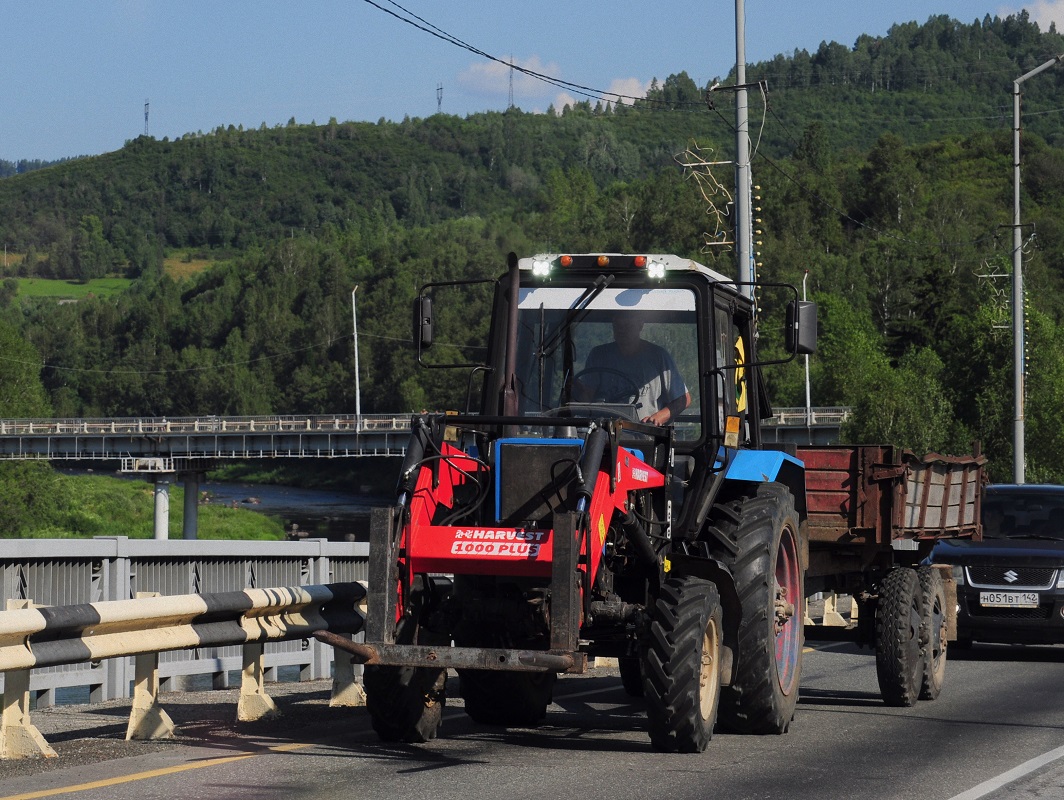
{"x": 439, "y": 98}
{"x": 145, "y": 116}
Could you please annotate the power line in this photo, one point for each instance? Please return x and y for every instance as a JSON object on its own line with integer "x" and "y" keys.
{"x": 427, "y": 27}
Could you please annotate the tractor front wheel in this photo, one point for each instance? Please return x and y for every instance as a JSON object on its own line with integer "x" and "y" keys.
{"x": 405, "y": 704}
{"x": 681, "y": 665}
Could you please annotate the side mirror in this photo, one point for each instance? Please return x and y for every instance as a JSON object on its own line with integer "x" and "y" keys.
{"x": 801, "y": 327}
{"x": 422, "y": 322}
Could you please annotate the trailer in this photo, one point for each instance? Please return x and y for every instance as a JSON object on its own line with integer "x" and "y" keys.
{"x": 874, "y": 514}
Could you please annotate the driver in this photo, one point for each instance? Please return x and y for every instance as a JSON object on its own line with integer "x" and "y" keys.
{"x": 631, "y": 367}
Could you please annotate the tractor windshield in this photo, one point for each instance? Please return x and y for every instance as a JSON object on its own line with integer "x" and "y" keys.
{"x": 629, "y": 351}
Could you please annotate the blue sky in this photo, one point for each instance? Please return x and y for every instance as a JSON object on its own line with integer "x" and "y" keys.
{"x": 74, "y": 75}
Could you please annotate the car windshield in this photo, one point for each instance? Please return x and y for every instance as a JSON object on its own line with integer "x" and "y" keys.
{"x": 1018, "y": 515}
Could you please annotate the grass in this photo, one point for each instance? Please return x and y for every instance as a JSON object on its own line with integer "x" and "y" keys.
{"x": 180, "y": 265}
{"x": 71, "y": 290}
{"x": 11, "y": 261}
{"x": 100, "y": 505}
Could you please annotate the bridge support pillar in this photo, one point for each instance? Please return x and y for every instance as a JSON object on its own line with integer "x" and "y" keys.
{"x": 190, "y": 524}
{"x": 162, "y": 507}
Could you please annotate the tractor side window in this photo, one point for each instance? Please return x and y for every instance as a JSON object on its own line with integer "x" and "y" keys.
{"x": 724, "y": 379}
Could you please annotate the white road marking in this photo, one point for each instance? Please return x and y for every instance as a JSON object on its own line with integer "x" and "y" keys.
{"x": 1027, "y": 767}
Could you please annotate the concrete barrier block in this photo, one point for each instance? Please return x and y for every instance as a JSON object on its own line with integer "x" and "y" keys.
{"x": 254, "y": 703}
{"x": 19, "y": 738}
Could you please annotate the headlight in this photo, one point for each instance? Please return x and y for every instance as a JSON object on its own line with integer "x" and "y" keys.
{"x": 958, "y": 574}
{"x": 1060, "y": 578}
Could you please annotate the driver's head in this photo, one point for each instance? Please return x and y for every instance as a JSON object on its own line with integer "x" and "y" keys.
{"x": 626, "y": 328}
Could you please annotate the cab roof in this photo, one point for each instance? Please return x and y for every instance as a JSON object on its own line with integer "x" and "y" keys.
{"x": 559, "y": 263}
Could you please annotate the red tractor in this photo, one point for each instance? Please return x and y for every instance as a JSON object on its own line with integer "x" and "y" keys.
{"x": 610, "y": 498}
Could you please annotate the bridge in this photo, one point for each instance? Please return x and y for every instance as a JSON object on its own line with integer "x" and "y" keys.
{"x": 188, "y": 447}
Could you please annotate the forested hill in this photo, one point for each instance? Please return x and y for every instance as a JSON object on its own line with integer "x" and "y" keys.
{"x": 231, "y": 188}
{"x": 883, "y": 169}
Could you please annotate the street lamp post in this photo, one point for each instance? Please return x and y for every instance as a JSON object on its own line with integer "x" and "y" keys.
{"x": 1018, "y": 348}
{"x": 358, "y": 393}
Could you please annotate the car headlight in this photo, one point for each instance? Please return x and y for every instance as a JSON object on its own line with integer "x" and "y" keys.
{"x": 958, "y": 574}
{"x": 1060, "y": 578}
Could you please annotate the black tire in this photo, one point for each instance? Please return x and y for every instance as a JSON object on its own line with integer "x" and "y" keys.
{"x": 769, "y": 580}
{"x": 515, "y": 699}
{"x": 631, "y": 675}
{"x": 681, "y": 665}
{"x": 899, "y": 656}
{"x": 405, "y": 704}
{"x": 933, "y": 635}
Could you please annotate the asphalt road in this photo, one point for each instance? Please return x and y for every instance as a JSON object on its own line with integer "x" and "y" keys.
{"x": 997, "y": 731}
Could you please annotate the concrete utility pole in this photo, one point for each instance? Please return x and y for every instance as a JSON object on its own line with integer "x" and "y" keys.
{"x": 1018, "y": 333}
{"x": 358, "y": 393}
{"x": 808, "y": 394}
{"x": 742, "y": 156}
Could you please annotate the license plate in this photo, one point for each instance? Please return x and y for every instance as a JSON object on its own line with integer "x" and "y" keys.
{"x": 1008, "y": 599}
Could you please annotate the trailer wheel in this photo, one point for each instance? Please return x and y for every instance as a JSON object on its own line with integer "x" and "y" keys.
{"x": 768, "y": 578}
{"x": 631, "y": 675}
{"x": 933, "y": 635}
{"x": 899, "y": 618}
{"x": 681, "y": 665}
{"x": 405, "y": 704}
{"x": 517, "y": 699}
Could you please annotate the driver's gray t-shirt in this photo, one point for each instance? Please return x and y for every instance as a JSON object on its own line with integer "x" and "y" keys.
{"x": 651, "y": 371}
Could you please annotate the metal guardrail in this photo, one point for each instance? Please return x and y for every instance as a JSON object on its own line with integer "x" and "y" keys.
{"x": 67, "y": 572}
{"x": 50, "y": 636}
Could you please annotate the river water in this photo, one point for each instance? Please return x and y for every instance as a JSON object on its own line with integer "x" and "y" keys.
{"x": 315, "y": 513}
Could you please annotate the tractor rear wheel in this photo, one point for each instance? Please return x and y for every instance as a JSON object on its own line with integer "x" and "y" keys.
{"x": 933, "y": 635}
{"x": 517, "y": 699}
{"x": 899, "y": 618}
{"x": 682, "y": 665}
{"x": 768, "y": 577}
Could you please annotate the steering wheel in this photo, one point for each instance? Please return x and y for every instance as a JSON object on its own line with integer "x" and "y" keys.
{"x": 629, "y": 392}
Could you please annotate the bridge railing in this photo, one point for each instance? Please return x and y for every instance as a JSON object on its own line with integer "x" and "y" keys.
{"x": 817, "y": 415}
{"x": 207, "y": 424}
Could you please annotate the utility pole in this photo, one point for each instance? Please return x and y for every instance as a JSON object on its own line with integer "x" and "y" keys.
{"x": 358, "y": 394}
{"x": 808, "y": 403}
{"x": 1019, "y": 347}
{"x": 742, "y": 157}
{"x": 439, "y": 97}
{"x": 145, "y": 116}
